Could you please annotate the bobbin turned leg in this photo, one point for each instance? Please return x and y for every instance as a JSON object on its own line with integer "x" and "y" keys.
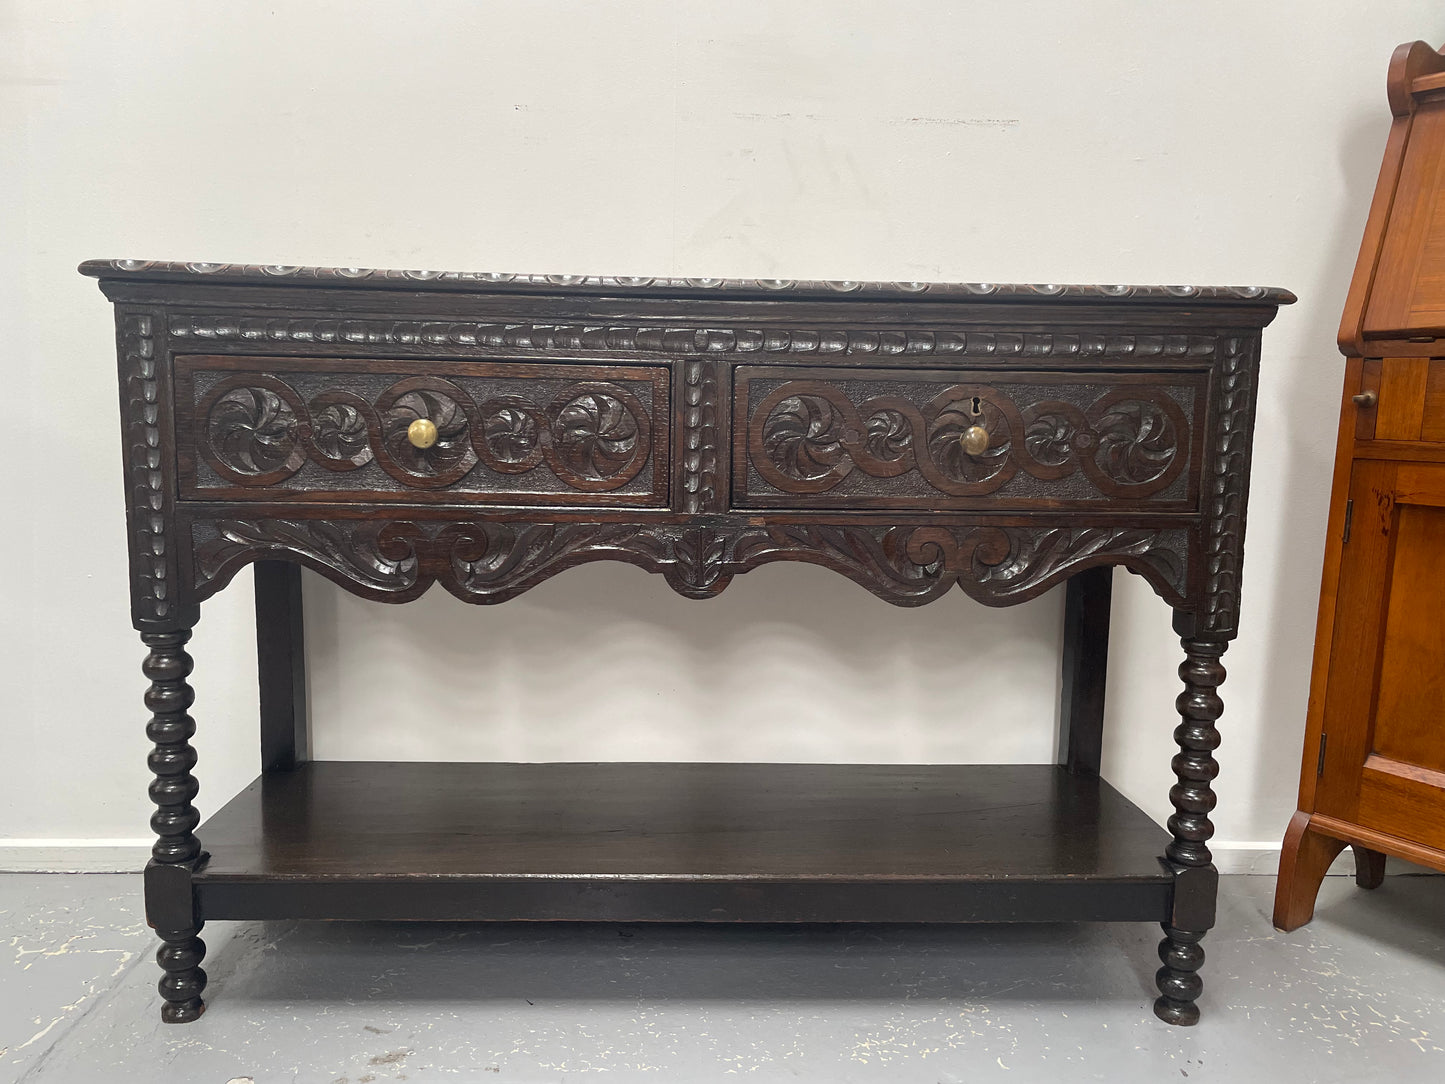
{"x": 170, "y": 907}
{"x": 1196, "y": 880}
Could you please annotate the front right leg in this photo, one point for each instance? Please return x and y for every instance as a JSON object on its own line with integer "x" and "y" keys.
{"x": 170, "y": 907}
{"x": 1188, "y": 852}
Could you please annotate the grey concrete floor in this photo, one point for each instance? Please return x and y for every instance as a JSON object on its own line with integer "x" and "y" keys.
{"x": 1359, "y": 995}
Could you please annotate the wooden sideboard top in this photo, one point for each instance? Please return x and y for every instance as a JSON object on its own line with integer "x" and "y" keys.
{"x": 490, "y": 282}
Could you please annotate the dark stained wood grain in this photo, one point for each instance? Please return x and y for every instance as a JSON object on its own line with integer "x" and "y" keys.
{"x": 170, "y": 900}
{"x": 640, "y": 287}
{"x": 1085, "y": 669}
{"x": 281, "y": 666}
{"x": 697, "y": 429}
{"x": 1369, "y": 867}
{"x": 877, "y": 439}
{"x": 510, "y": 432}
{"x": 725, "y": 842}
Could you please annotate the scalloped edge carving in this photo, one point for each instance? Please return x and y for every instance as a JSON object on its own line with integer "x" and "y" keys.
{"x": 492, "y": 561}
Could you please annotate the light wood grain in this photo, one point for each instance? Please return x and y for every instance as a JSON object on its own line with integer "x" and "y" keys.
{"x": 1401, "y": 410}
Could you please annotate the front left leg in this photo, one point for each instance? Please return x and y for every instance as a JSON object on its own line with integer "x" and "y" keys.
{"x": 170, "y": 907}
{"x": 1193, "y": 799}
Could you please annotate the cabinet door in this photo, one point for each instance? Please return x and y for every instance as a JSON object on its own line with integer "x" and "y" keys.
{"x": 1384, "y": 758}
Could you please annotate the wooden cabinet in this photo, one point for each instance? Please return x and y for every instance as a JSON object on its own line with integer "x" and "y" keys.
{"x": 1373, "y": 775}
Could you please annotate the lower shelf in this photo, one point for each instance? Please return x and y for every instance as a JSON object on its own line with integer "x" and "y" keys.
{"x": 683, "y": 843}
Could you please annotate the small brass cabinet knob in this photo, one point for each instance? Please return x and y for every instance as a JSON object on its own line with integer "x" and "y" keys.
{"x": 1365, "y": 399}
{"x": 422, "y": 433}
{"x": 974, "y": 440}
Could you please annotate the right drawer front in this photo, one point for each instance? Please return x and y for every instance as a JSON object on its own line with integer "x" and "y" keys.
{"x": 817, "y": 439}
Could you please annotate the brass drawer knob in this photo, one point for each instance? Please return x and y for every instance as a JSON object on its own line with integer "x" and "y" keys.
{"x": 974, "y": 440}
{"x": 1365, "y": 399}
{"x": 422, "y": 433}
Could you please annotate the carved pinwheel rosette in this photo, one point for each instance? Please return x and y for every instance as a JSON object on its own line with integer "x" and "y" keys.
{"x": 256, "y": 430}
{"x": 594, "y": 436}
{"x": 252, "y": 432}
{"x": 443, "y": 404}
{"x": 967, "y": 440}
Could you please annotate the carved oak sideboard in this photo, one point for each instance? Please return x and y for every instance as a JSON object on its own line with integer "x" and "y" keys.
{"x": 394, "y": 429}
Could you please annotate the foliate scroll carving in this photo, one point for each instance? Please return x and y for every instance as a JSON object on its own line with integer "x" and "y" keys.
{"x": 994, "y": 565}
{"x": 807, "y": 436}
{"x": 257, "y": 430}
{"x": 479, "y": 338}
{"x": 1228, "y": 483}
{"x": 377, "y": 558}
{"x": 491, "y": 561}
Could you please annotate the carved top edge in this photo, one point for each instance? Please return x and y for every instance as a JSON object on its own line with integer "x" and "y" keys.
{"x": 488, "y": 282}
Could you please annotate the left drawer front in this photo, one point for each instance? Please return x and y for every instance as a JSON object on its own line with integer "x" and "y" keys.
{"x": 507, "y": 432}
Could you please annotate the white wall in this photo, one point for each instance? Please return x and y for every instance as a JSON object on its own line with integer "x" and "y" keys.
{"x": 1232, "y": 142}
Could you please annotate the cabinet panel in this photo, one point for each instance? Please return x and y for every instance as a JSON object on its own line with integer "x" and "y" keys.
{"x": 1384, "y": 721}
{"x": 1410, "y": 716}
{"x": 1432, "y": 426}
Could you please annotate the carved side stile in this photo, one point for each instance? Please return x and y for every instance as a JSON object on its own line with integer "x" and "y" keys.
{"x": 1228, "y": 485}
{"x": 152, "y": 550}
{"x": 700, "y": 492}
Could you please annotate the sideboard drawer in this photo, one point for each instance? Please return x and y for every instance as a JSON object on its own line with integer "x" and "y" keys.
{"x": 916, "y": 439}
{"x": 507, "y": 432}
